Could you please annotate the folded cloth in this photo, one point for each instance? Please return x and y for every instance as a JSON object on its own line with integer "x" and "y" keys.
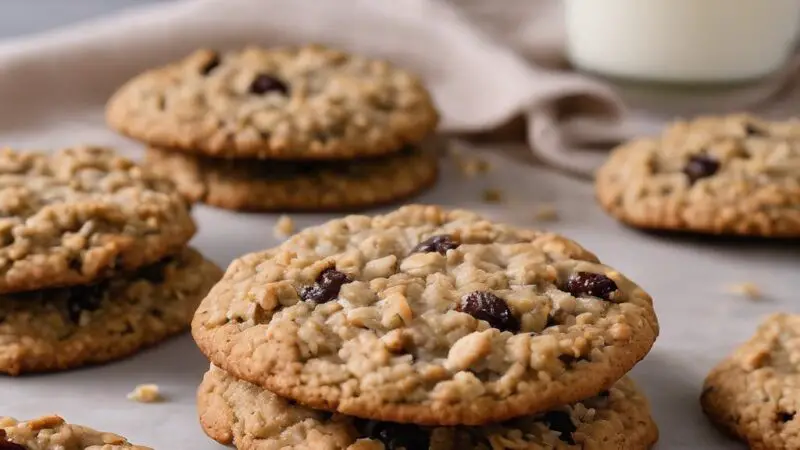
{"x": 486, "y": 62}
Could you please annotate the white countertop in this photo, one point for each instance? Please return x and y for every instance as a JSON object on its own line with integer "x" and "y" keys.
{"x": 686, "y": 276}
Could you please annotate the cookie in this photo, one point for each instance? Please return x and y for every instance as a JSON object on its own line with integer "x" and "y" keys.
{"x": 754, "y": 393}
{"x": 70, "y": 327}
{"x": 292, "y": 186}
{"x": 252, "y": 418}
{"x": 283, "y": 103}
{"x": 428, "y": 316}
{"x": 734, "y": 175}
{"x": 53, "y": 433}
{"x": 81, "y": 214}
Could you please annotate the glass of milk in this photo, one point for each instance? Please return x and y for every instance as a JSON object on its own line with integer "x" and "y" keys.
{"x": 682, "y": 41}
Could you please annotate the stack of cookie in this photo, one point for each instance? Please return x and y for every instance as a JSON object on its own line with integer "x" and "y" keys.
{"x": 424, "y": 329}
{"x": 306, "y": 128}
{"x": 93, "y": 259}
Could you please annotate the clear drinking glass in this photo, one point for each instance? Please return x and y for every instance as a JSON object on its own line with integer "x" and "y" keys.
{"x": 682, "y": 41}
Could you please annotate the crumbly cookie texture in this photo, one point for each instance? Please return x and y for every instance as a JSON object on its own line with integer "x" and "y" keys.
{"x": 252, "y": 418}
{"x": 735, "y": 175}
{"x": 53, "y": 433}
{"x": 296, "y": 103}
{"x": 753, "y": 393}
{"x": 297, "y": 186}
{"x": 69, "y": 327}
{"x": 428, "y": 316}
{"x": 81, "y": 214}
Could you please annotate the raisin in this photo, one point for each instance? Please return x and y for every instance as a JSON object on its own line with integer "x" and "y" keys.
{"x": 264, "y": 83}
{"x": 785, "y": 416}
{"x": 700, "y": 166}
{"x": 486, "y": 306}
{"x": 327, "y": 286}
{"x": 561, "y": 421}
{"x": 588, "y": 283}
{"x": 84, "y": 298}
{"x": 210, "y": 65}
{"x": 604, "y": 394}
{"x": 395, "y": 436}
{"x": 440, "y": 243}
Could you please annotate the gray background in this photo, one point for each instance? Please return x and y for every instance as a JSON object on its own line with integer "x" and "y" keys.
{"x": 21, "y": 17}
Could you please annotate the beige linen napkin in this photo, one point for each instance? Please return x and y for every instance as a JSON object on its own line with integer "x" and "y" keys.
{"x": 486, "y": 62}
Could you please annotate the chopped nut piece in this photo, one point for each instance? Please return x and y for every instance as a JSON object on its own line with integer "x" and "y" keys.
{"x": 746, "y": 289}
{"x": 45, "y": 422}
{"x": 546, "y": 212}
{"x": 146, "y": 393}
{"x": 469, "y": 350}
{"x": 284, "y": 227}
{"x": 492, "y": 195}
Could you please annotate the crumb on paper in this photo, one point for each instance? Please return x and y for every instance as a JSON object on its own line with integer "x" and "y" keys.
{"x": 454, "y": 152}
{"x": 471, "y": 167}
{"x": 746, "y": 289}
{"x": 284, "y": 227}
{"x": 492, "y": 195}
{"x": 146, "y": 393}
{"x": 546, "y": 212}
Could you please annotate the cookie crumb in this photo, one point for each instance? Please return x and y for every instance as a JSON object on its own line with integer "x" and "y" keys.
{"x": 492, "y": 195}
{"x": 284, "y": 227}
{"x": 746, "y": 289}
{"x": 471, "y": 167}
{"x": 546, "y": 212}
{"x": 146, "y": 393}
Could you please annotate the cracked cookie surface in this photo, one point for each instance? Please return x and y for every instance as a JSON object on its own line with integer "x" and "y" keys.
{"x": 753, "y": 393}
{"x": 297, "y": 186}
{"x": 81, "y": 214}
{"x": 735, "y": 175}
{"x": 64, "y": 328}
{"x": 306, "y": 102}
{"x": 240, "y": 413}
{"x": 428, "y": 316}
{"x": 53, "y": 433}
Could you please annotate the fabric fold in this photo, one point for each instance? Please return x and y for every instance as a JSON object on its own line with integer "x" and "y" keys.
{"x": 486, "y": 63}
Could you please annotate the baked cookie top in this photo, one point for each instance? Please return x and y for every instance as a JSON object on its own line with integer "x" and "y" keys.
{"x": 724, "y": 175}
{"x": 297, "y": 186}
{"x": 427, "y": 316}
{"x": 62, "y": 328}
{"x": 753, "y": 393}
{"x": 81, "y": 214}
{"x": 306, "y": 102}
{"x": 53, "y": 433}
{"x": 252, "y": 418}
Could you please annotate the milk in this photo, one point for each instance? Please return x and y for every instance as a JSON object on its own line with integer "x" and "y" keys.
{"x": 682, "y": 40}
